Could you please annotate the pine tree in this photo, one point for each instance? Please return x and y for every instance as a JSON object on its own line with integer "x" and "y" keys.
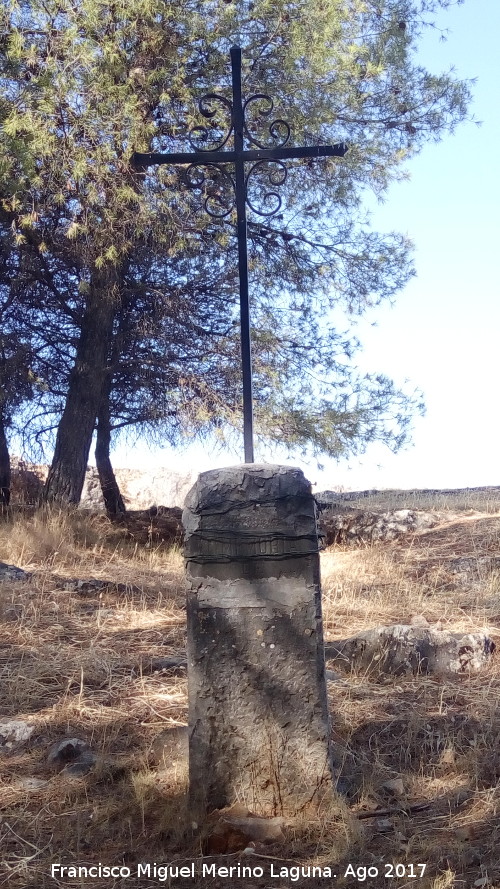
{"x": 86, "y": 84}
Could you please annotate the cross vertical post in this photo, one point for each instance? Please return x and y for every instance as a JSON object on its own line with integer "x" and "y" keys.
{"x": 217, "y": 159}
{"x": 241, "y": 229}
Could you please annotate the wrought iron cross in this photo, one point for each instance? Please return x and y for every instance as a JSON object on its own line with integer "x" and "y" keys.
{"x": 218, "y": 204}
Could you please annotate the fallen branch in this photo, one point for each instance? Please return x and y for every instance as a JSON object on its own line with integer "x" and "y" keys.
{"x": 399, "y": 810}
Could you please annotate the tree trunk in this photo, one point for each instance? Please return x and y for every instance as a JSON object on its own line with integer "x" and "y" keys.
{"x": 74, "y": 435}
{"x": 113, "y": 499}
{"x": 4, "y": 466}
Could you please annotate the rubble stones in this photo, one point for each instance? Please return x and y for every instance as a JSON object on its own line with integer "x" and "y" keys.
{"x": 355, "y": 527}
{"x": 12, "y": 572}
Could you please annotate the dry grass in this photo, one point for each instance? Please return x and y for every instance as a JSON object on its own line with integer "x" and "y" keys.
{"x": 440, "y": 736}
{"x": 77, "y": 663}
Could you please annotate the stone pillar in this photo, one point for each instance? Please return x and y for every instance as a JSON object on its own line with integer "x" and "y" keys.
{"x": 258, "y": 717}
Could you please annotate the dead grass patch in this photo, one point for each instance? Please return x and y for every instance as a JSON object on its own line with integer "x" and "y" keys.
{"x": 74, "y": 663}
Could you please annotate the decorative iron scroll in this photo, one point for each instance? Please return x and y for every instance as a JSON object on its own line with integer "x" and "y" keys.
{"x": 274, "y": 127}
{"x": 216, "y": 183}
{"x": 275, "y": 172}
{"x": 200, "y": 135}
{"x": 264, "y": 175}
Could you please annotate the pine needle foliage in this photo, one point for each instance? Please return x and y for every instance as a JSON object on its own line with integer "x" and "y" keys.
{"x": 86, "y": 83}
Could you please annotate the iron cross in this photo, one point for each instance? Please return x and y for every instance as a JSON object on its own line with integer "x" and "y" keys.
{"x": 214, "y": 160}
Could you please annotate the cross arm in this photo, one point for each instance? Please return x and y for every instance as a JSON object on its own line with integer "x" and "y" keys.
{"x": 228, "y": 157}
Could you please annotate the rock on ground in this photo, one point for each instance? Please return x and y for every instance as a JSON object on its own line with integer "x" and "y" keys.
{"x": 402, "y": 650}
{"x": 232, "y": 830}
{"x": 14, "y": 732}
{"x": 12, "y": 572}
{"x": 69, "y": 750}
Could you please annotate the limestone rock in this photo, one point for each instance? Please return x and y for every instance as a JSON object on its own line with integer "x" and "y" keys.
{"x": 73, "y": 757}
{"x": 30, "y": 785}
{"x": 394, "y": 786}
{"x": 140, "y": 488}
{"x": 14, "y": 731}
{"x": 401, "y": 650}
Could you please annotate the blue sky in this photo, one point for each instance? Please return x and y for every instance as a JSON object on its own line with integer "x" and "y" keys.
{"x": 443, "y": 332}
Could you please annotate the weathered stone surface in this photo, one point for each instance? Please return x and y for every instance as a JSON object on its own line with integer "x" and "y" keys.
{"x": 395, "y": 786}
{"x": 75, "y": 758}
{"x": 402, "y": 649}
{"x": 258, "y": 719}
{"x": 82, "y": 765}
{"x": 65, "y": 751}
{"x": 140, "y": 489}
{"x": 170, "y": 747}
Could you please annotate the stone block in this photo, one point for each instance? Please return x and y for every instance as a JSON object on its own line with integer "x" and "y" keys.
{"x": 258, "y": 717}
